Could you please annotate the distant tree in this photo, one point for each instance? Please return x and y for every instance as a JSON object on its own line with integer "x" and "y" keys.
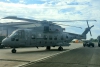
{"x": 93, "y": 40}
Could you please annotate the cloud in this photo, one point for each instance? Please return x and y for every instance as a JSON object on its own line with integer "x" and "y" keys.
{"x": 21, "y": 1}
{"x": 55, "y": 10}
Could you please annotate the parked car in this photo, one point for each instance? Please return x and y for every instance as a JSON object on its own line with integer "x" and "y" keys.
{"x": 88, "y": 43}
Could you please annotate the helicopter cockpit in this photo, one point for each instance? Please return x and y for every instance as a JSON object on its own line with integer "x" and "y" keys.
{"x": 15, "y": 36}
{"x": 14, "y": 33}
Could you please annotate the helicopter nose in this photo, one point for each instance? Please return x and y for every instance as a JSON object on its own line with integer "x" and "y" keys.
{"x": 5, "y": 41}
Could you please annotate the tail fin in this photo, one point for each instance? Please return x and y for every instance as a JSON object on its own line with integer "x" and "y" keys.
{"x": 86, "y": 31}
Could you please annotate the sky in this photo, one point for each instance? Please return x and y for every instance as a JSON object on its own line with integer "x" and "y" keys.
{"x": 56, "y": 10}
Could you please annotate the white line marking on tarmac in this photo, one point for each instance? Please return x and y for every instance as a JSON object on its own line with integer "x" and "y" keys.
{"x": 41, "y": 59}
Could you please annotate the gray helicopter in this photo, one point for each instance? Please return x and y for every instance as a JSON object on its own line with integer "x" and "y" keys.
{"x": 44, "y": 34}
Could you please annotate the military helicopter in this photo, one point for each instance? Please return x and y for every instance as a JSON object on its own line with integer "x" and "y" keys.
{"x": 44, "y": 34}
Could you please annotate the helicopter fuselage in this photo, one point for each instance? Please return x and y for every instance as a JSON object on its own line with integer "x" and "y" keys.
{"x": 32, "y": 38}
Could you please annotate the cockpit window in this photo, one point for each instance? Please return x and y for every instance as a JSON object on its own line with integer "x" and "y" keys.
{"x": 18, "y": 34}
{"x": 14, "y": 33}
{"x": 21, "y": 33}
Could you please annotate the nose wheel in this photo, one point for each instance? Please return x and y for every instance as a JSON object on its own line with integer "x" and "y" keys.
{"x": 48, "y": 48}
{"x": 13, "y": 50}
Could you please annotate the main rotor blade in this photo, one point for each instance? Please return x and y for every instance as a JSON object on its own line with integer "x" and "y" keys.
{"x": 17, "y": 18}
{"x": 31, "y": 20}
{"x": 72, "y": 20}
{"x": 70, "y": 26}
{"x": 15, "y": 24}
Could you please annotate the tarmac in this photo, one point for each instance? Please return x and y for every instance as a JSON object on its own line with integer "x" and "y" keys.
{"x": 80, "y": 57}
{"x": 73, "y": 56}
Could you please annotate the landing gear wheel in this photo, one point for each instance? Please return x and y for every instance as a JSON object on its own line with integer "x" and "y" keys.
{"x": 48, "y": 48}
{"x": 88, "y": 45}
{"x": 1, "y": 46}
{"x": 60, "y": 48}
{"x": 13, "y": 50}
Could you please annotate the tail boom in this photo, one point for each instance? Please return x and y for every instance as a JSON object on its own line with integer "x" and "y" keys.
{"x": 86, "y": 31}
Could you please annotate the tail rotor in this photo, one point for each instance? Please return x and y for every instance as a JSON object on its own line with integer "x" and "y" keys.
{"x": 89, "y": 27}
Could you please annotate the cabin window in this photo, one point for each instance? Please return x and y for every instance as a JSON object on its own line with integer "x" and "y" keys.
{"x": 50, "y": 42}
{"x": 45, "y": 42}
{"x": 46, "y": 28}
{"x": 49, "y": 29}
{"x": 65, "y": 41}
{"x": 55, "y": 38}
{"x": 21, "y": 34}
{"x": 33, "y": 36}
{"x": 40, "y": 42}
{"x": 45, "y": 37}
{"x": 62, "y": 38}
{"x": 56, "y": 30}
{"x": 50, "y": 37}
{"x": 17, "y": 39}
{"x": 66, "y": 36}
